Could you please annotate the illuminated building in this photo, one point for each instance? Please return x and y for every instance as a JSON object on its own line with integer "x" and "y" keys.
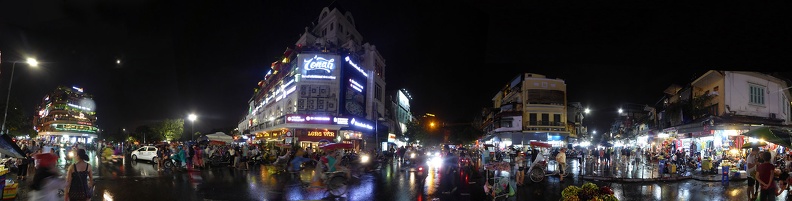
{"x": 327, "y": 87}
{"x": 531, "y": 107}
{"x": 67, "y": 114}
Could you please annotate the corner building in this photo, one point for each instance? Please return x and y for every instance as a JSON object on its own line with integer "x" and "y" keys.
{"x": 66, "y": 115}
{"x": 327, "y": 88}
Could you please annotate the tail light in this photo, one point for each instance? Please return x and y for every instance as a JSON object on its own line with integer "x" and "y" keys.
{"x": 420, "y": 168}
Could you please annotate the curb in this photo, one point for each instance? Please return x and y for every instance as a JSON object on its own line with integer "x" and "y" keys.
{"x": 611, "y": 179}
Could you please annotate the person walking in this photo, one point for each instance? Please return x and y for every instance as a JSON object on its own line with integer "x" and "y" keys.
{"x": 80, "y": 179}
{"x": 245, "y": 154}
{"x": 561, "y": 159}
{"x": 520, "y": 176}
{"x": 197, "y": 157}
{"x": 46, "y": 183}
{"x": 232, "y": 153}
{"x": 450, "y": 172}
{"x": 23, "y": 163}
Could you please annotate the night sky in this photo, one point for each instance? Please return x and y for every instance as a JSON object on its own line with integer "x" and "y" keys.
{"x": 179, "y": 57}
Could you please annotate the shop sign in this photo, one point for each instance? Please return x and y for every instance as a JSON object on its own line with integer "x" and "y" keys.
{"x": 308, "y": 119}
{"x": 392, "y": 138}
{"x": 318, "y": 66}
{"x": 321, "y": 134}
{"x": 354, "y": 122}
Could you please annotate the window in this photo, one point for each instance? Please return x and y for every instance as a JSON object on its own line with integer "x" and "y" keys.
{"x": 557, "y": 118}
{"x": 378, "y": 92}
{"x": 532, "y": 119}
{"x": 379, "y": 70}
{"x": 545, "y": 119}
{"x": 506, "y": 123}
{"x": 756, "y": 94}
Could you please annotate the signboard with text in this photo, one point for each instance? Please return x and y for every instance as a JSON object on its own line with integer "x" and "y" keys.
{"x": 308, "y": 119}
{"x": 316, "y": 135}
{"x": 354, "y": 83}
{"x": 318, "y": 66}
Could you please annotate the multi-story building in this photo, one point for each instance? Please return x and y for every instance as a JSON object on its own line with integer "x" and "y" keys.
{"x": 399, "y": 114}
{"x": 712, "y": 111}
{"x": 328, "y": 87}
{"x": 66, "y": 115}
{"x": 531, "y": 107}
{"x": 575, "y": 115}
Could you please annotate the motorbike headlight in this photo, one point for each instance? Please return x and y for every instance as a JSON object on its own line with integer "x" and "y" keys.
{"x": 364, "y": 159}
{"x": 412, "y": 155}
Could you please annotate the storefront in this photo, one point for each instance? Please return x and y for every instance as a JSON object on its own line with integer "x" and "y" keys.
{"x": 313, "y": 138}
{"x": 352, "y": 137}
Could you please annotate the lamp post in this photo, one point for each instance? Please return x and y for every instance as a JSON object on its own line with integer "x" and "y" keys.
{"x": 32, "y": 63}
{"x": 192, "y": 118}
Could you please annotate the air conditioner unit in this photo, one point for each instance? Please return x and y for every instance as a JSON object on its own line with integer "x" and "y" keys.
{"x": 772, "y": 115}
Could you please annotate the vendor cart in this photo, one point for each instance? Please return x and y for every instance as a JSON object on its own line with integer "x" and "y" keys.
{"x": 499, "y": 187}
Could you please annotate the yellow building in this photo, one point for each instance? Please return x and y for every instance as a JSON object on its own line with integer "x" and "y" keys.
{"x": 531, "y": 107}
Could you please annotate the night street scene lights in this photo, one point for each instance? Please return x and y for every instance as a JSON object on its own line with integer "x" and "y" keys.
{"x": 621, "y": 111}
{"x": 32, "y": 63}
{"x": 192, "y": 118}
{"x": 587, "y": 111}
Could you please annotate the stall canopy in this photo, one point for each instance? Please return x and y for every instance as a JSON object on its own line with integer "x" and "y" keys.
{"x": 9, "y": 148}
{"x": 775, "y": 135}
{"x": 220, "y": 136}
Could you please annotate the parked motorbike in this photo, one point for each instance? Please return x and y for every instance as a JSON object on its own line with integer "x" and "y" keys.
{"x": 218, "y": 159}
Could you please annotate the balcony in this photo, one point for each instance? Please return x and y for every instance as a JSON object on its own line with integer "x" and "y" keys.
{"x": 545, "y": 123}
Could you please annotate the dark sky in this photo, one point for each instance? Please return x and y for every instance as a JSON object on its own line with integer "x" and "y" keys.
{"x": 207, "y": 56}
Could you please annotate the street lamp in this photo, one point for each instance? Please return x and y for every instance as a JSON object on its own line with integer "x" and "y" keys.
{"x": 586, "y": 111}
{"x": 32, "y": 63}
{"x": 192, "y": 118}
{"x": 620, "y": 111}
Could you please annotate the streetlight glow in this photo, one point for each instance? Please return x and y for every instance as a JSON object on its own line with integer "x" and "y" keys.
{"x": 32, "y": 62}
{"x": 432, "y": 124}
{"x": 192, "y": 117}
{"x": 595, "y": 132}
{"x": 118, "y": 61}
{"x": 586, "y": 111}
{"x": 620, "y": 110}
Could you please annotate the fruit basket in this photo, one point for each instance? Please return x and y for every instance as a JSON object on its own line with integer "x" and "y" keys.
{"x": 588, "y": 192}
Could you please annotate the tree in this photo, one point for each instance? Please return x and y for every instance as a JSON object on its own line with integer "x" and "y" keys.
{"x": 170, "y": 129}
{"x": 465, "y": 134}
{"x": 414, "y": 132}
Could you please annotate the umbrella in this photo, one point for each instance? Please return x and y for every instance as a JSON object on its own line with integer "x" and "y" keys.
{"x": 324, "y": 140}
{"x": 754, "y": 145}
{"x": 773, "y": 135}
{"x": 606, "y": 144}
{"x": 333, "y": 146}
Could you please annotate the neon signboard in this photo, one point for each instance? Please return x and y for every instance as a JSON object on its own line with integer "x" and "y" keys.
{"x": 359, "y": 124}
{"x": 356, "y": 66}
{"x": 310, "y": 119}
{"x": 355, "y": 85}
{"x": 318, "y": 67}
{"x": 78, "y": 89}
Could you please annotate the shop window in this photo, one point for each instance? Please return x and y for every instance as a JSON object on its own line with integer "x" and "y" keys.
{"x": 378, "y": 92}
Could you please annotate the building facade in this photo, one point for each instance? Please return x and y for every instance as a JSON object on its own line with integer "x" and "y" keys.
{"x": 399, "y": 115}
{"x": 328, "y": 88}
{"x": 715, "y": 109}
{"x": 531, "y": 107}
{"x": 66, "y": 115}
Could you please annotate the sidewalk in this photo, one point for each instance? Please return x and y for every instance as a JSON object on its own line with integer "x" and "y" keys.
{"x": 636, "y": 170}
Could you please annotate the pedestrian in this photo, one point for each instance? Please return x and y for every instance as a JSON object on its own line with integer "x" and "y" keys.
{"x": 160, "y": 156}
{"x": 244, "y": 157}
{"x": 190, "y": 155}
{"x": 80, "y": 179}
{"x": 232, "y": 154}
{"x": 197, "y": 157}
{"x": 23, "y": 164}
{"x": 520, "y": 176}
{"x": 753, "y": 187}
{"x": 561, "y": 159}
{"x": 451, "y": 162}
{"x": 765, "y": 174}
{"x": 46, "y": 181}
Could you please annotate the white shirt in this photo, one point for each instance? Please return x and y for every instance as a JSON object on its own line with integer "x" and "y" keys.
{"x": 561, "y": 157}
{"x": 751, "y": 161}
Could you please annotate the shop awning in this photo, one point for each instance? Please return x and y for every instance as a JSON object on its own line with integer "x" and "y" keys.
{"x": 9, "y": 148}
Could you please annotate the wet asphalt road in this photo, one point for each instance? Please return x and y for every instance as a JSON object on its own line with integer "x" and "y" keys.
{"x": 139, "y": 180}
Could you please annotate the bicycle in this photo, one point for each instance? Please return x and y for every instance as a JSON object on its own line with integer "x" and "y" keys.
{"x": 538, "y": 171}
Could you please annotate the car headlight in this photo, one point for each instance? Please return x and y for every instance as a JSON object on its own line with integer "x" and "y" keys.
{"x": 412, "y": 155}
{"x": 364, "y": 159}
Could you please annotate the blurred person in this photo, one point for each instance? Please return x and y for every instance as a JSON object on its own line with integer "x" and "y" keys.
{"x": 764, "y": 176}
{"x": 46, "y": 181}
{"x": 561, "y": 159}
{"x": 197, "y": 157}
{"x": 751, "y": 160}
{"x": 23, "y": 163}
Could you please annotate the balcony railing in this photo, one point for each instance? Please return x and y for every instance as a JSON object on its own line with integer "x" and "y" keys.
{"x": 545, "y": 123}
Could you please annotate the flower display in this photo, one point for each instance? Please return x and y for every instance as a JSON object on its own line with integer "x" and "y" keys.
{"x": 588, "y": 192}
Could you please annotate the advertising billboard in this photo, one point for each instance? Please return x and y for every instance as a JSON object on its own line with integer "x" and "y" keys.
{"x": 403, "y": 100}
{"x": 318, "y": 66}
{"x": 353, "y": 88}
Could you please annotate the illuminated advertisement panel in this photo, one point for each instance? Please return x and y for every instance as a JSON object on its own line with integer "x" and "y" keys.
{"x": 318, "y": 66}
{"x": 353, "y": 88}
{"x": 403, "y": 100}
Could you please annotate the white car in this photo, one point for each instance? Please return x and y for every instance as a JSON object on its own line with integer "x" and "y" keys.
{"x": 145, "y": 153}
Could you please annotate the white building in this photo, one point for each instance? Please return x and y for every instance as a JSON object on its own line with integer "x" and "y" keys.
{"x": 327, "y": 88}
